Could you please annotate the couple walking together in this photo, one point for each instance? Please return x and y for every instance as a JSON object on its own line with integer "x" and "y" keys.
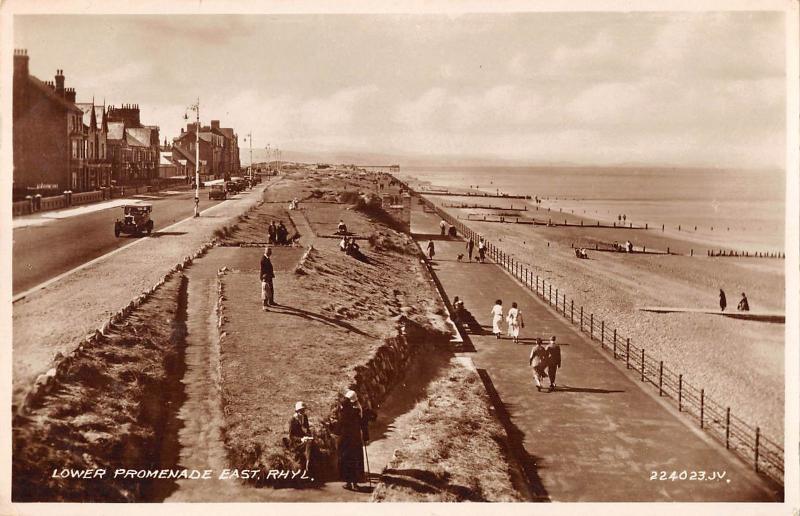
{"x": 513, "y": 319}
{"x": 545, "y": 359}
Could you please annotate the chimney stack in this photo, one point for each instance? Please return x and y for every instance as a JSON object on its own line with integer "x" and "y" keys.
{"x": 60, "y": 83}
{"x": 20, "y": 63}
{"x": 69, "y": 95}
{"x": 215, "y": 124}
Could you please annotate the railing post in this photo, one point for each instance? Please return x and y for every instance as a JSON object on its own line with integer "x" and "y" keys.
{"x": 628, "y": 353}
{"x": 758, "y": 441}
{"x": 680, "y": 392}
{"x": 728, "y": 428}
{"x": 660, "y": 378}
{"x": 615, "y": 343}
{"x": 537, "y": 284}
{"x": 572, "y": 311}
{"x": 581, "y": 319}
{"x": 564, "y": 305}
{"x": 591, "y": 326}
{"x": 602, "y": 334}
{"x": 642, "y": 364}
{"x": 702, "y": 405}
{"x": 556, "y": 300}
{"x": 550, "y": 294}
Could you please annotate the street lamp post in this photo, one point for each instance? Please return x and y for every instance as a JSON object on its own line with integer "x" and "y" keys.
{"x": 196, "y": 109}
{"x": 269, "y": 165}
{"x": 250, "y": 168}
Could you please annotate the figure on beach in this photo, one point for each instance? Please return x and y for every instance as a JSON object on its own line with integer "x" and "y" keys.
{"x": 743, "y": 305}
{"x": 538, "y": 361}
{"x": 443, "y": 227}
{"x": 481, "y": 250}
{"x": 271, "y": 232}
{"x": 497, "y": 318}
{"x": 470, "y": 247}
{"x": 722, "y": 301}
{"x": 553, "y": 361}
{"x": 515, "y": 322}
{"x": 431, "y": 250}
{"x": 580, "y": 252}
{"x": 300, "y": 437}
{"x": 267, "y": 275}
{"x": 341, "y": 228}
{"x": 281, "y": 233}
{"x": 354, "y": 435}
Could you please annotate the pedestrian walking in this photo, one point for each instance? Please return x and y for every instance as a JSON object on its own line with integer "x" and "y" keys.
{"x": 267, "y": 275}
{"x": 515, "y": 322}
{"x": 443, "y": 227}
{"x": 271, "y": 232}
{"x": 470, "y": 247}
{"x": 497, "y": 317}
{"x": 744, "y": 305}
{"x": 300, "y": 436}
{"x": 722, "y": 301}
{"x": 481, "y": 249}
{"x": 553, "y": 361}
{"x": 431, "y": 250}
{"x": 354, "y": 434}
{"x": 538, "y": 361}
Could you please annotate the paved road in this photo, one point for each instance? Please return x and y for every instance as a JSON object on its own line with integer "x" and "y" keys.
{"x": 600, "y": 436}
{"x": 43, "y": 251}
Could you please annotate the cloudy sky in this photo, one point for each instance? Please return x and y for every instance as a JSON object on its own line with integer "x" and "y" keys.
{"x": 584, "y": 88}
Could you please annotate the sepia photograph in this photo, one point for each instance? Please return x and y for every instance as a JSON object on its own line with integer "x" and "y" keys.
{"x": 370, "y": 253}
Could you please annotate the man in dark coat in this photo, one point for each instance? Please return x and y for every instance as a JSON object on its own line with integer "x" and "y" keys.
{"x": 722, "y": 301}
{"x": 553, "y": 361}
{"x": 354, "y": 435}
{"x": 470, "y": 247}
{"x": 267, "y": 274}
{"x": 271, "y": 232}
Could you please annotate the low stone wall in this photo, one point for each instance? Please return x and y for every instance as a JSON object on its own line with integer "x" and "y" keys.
{"x": 87, "y": 197}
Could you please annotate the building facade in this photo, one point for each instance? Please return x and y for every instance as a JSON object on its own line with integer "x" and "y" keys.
{"x": 49, "y": 137}
{"x": 132, "y": 147}
{"x": 219, "y": 150}
{"x": 98, "y": 163}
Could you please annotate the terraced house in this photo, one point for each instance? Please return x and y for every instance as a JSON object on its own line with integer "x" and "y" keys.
{"x": 133, "y": 147}
{"x": 219, "y": 150}
{"x": 49, "y": 137}
{"x": 98, "y": 163}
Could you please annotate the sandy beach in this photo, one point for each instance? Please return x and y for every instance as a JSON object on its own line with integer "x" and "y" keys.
{"x": 739, "y": 363}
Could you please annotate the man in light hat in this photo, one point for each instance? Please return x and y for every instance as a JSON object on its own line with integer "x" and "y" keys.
{"x": 300, "y": 437}
{"x": 267, "y": 274}
{"x": 354, "y": 434}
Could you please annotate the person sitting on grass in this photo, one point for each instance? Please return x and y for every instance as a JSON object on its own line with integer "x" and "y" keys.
{"x": 341, "y": 228}
{"x": 743, "y": 305}
{"x": 343, "y": 245}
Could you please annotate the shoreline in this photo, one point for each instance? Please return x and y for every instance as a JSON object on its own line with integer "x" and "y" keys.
{"x": 712, "y": 353}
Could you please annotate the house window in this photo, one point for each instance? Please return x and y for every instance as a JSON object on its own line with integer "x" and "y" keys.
{"x": 74, "y": 149}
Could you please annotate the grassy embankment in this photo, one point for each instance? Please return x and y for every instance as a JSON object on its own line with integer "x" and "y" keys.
{"x": 454, "y": 449}
{"x": 107, "y": 410}
{"x": 336, "y": 328}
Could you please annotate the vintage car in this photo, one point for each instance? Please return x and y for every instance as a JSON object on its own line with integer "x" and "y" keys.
{"x": 217, "y": 192}
{"x": 135, "y": 220}
{"x": 233, "y": 187}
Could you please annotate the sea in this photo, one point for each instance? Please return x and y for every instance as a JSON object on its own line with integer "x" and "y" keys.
{"x": 729, "y": 209}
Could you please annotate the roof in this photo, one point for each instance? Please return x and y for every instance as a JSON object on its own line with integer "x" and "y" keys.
{"x": 138, "y": 136}
{"x": 86, "y": 107}
{"x": 51, "y": 95}
{"x": 165, "y": 161}
{"x": 116, "y": 130}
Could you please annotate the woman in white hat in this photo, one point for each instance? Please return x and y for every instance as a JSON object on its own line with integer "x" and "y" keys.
{"x": 300, "y": 437}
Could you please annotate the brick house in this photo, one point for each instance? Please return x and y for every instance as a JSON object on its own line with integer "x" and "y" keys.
{"x": 49, "y": 137}
{"x": 211, "y": 151}
{"x": 132, "y": 147}
{"x": 98, "y": 163}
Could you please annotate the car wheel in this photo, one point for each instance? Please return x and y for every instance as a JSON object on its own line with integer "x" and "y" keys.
{"x": 116, "y": 231}
{"x": 149, "y": 226}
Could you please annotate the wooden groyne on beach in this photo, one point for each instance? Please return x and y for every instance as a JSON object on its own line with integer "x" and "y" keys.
{"x": 484, "y": 207}
{"x": 472, "y": 194}
{"x": 763, "y": 316}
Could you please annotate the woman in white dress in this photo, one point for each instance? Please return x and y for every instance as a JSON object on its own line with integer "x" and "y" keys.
{"x": 515, "y": 322}
{"x": 497, "y": 317}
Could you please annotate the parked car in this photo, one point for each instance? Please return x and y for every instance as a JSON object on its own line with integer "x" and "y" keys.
{"x": 135, "y": 220}
{"x": 217, "y": 192}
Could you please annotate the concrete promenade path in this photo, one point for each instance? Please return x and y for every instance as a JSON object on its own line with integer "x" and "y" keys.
{"x": 601, "y": 435}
